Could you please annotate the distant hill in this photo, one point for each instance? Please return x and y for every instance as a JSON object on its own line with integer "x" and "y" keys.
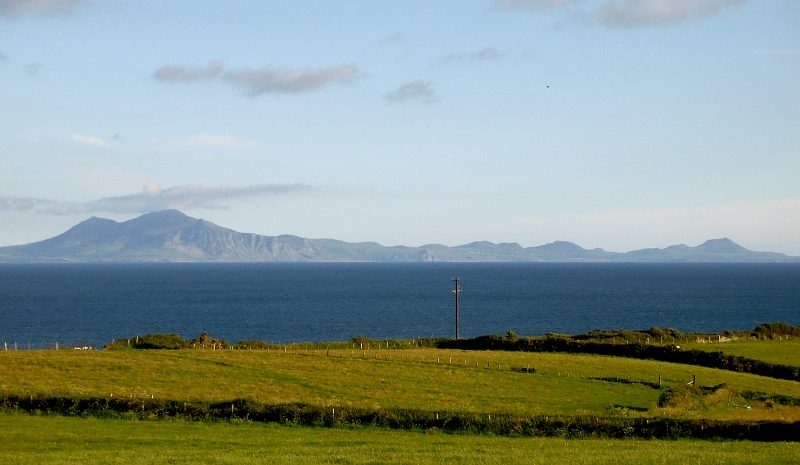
{"x": 172, "y": 236}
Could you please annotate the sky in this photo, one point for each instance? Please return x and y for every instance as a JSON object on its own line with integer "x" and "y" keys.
{"x": 620, "y": 124}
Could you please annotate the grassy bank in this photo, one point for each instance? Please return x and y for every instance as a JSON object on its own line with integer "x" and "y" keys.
{"x": 423, "y": 379}
{"x": 35, "y": 440}
{"x": 785, "y": 351}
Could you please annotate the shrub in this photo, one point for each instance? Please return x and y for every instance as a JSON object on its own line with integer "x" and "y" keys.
{"x": 682, "y": 396}
{"x": 167, "y": 342}
{"x": 776, "y": 331}
{"x": 205, "y": 341}
{"x": 150, "y": 341}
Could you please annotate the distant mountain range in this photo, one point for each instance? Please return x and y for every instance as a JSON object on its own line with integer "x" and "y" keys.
{"x": 172, "y": 236}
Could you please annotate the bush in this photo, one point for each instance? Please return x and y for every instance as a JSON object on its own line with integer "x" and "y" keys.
{"x": 776, "y": 331}
{"x": 682, "y": 396}
{"x": 204, "y": 341}
{"x": 167, "y": 342}
{"x": 150, "y": 341}
{"x": 254, "y": 345}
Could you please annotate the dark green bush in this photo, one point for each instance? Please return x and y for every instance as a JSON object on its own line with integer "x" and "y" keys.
{"x": 150, "y": 341}
{"x": 776, "y": 331}
{"x": 167, "y": 342}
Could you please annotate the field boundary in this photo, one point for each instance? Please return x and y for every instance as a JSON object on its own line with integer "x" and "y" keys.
{"x": 409, "y": 419}
{"x": 661, "y": 353}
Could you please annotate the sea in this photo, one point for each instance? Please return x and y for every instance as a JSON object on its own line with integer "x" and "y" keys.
{"x": 93, "y": 304}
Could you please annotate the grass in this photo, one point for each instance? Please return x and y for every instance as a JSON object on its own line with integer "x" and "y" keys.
{"x": 786, "y": 352}
{"x": 423, "y": 378}
{"x": 410, "y": 379}
{"x": 30, "y": 439}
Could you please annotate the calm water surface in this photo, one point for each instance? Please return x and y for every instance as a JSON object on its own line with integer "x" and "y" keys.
{"x": 72, "y": 303}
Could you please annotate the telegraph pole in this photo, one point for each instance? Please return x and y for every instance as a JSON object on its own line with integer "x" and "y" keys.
{"x": 457, "y": 291}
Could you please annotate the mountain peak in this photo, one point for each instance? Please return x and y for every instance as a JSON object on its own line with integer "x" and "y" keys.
{"x": 563, "y": 246}
{"x": 159, "y": 222}
{"x": 723, "y": 245}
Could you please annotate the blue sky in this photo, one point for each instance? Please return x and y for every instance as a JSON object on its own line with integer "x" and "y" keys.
{"x": 619, "y": 124}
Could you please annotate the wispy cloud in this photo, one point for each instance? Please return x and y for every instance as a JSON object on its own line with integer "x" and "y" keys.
{"x": 394, "y": 38}
{"x": 22, "y": 204}
{"x": 189, "y": 73}
{"x": 18, "y": 8}
{"x": 32, "y": 69}
{"x": 270, "y": 80}
{"x": 416, "y": 90}
{"x": 90, "y": 140}
{"x": 3, "y": 57}
{"x": 152, "y": 198}
{"x": 486, "y": 54}
{"x": 212, "y": 141}
{"x": 266, "y": 80}
{"x": 536, "y": 5}
{"x": 626, "y": 13}
{"x": 632, "y": 13}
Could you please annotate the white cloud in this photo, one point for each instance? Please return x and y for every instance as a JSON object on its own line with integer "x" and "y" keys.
{"x": 270, "y": 80}
{"x": 22, "y": 204}
{"x": 631, "y": 13}
{"x": 90, "y": 140}
{"x": 416, "y": 90}
{"x": 17, "y": 8}
{"x": 536, "y": 5}
{"x": 486, "y": 54}
{"x": 266, "y": 80}
{"x": 626, "y": 13}
{"x": 189, "y": 73}
{"x": 210, "y": 141}
{"x": 152, "y": 198}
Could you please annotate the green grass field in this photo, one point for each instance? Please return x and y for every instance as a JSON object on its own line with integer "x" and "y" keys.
{"x": 424, "y": 379}
{"x": 410, "y": 379}
{"x": 27, "y": 439}
{"x": 786, "y": 352}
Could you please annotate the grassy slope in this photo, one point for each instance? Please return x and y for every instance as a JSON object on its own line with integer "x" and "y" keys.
{"x": 34, "y": 440}
{"x": 786, "y": 352}
{"x": 345, "y": 379}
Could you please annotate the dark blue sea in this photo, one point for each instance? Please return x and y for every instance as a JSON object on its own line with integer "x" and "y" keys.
{"x": 77, "y": 303}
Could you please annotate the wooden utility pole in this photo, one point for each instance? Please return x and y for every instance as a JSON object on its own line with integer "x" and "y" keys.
{"x": 457, "y": 291}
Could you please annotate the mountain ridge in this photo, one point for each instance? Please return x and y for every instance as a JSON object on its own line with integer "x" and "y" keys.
{"x": 170, "y": 235}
